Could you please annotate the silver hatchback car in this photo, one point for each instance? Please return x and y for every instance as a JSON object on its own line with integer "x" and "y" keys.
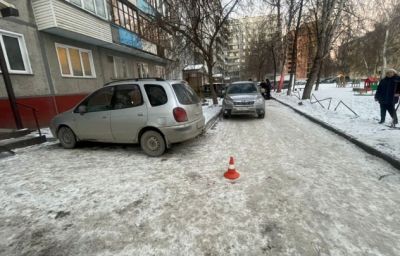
{"x": 152, "y": 112}
{"x": 243, "y": 97}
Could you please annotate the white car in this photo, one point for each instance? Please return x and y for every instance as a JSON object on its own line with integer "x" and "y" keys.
{"x": 243, "y": 98}
{"x": 152, "y": 112}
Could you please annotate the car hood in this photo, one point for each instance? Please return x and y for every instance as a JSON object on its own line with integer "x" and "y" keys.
{"x": 243, "y": 97}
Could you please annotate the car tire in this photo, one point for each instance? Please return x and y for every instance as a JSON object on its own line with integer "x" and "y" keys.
{"x": 226, "y": 115}
{"x": 261, "y": 116}
{"x": 152, "y": 143}
{"x": 67, "y": 137}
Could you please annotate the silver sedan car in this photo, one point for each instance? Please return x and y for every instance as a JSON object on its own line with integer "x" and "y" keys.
{"x": 153, "y": 113}
{"x": 243, "y": 98}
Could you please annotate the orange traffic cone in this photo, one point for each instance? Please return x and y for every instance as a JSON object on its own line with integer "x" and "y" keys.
{"x": 231, "y": 174}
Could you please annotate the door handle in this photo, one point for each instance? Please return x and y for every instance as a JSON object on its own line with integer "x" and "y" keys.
{"x": 140, "y": 114}
{"x": 104, "y": 117}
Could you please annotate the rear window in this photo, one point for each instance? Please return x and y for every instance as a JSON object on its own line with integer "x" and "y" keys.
{"x": 156, "y": 94}
{"x": 242, "y": 88}
{"x": 185, "y": 94}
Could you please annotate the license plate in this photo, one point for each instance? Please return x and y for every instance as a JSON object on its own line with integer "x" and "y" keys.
{"x": 243, "y": 108}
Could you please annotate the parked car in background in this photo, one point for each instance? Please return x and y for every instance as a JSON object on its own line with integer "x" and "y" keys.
{"x": 243, "y": 97}
{"x": 300, "y": 82}
{"x": 152, "y": 112}
{"x": 218, "y": 87}
{"x": 329, "y": 80}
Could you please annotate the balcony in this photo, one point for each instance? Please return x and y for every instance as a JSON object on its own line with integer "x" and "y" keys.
{"x": 64, "y": 19}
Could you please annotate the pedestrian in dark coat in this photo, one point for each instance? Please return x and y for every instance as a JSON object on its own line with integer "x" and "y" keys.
{"x": 385, "y": 95}
{"x": 263, "y": 85}
{"x": 269, "y": 87}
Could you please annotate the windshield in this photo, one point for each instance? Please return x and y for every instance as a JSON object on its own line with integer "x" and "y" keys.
{"x": 242, "y": 88}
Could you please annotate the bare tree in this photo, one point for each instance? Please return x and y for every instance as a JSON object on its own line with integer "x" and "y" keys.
{"x": 374, "y": 50}
{"x": 259, "y": 52}
{"x": 389, "y": 13}
{"x": 327, "y": 15}
{"x": 200, "y": 22}
{"x": 294, "y": 47}
{"x": 285, "y": 12}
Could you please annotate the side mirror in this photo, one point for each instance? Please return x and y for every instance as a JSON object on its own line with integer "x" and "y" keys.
{"x": 82, "y": 109}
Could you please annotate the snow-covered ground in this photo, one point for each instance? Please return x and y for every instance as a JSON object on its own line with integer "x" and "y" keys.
{"x": 302, "y": 191}
{"x": 364, "y": 127}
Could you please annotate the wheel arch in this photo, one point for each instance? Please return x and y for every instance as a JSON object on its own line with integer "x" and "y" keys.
{"x": 152, "y": 128}
{"x": 68, "y": 126}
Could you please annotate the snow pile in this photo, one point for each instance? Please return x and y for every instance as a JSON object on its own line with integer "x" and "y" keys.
{"x": 363, "y": 127}
{"x": 210, "y": 111}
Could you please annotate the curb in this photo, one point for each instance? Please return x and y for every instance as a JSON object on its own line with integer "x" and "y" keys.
{"x": 212, "y": 121}
{"x": 367, "y": 148}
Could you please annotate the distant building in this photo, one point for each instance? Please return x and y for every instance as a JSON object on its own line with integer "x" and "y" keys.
{"x": 241, "y": 34}
{"x": 306, "y": 47}
{"x": 58, "y": 51}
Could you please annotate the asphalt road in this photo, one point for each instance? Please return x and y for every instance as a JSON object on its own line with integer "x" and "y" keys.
{"x": 302, "y": 191}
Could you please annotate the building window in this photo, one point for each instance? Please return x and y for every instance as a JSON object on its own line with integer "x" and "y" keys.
{"x": 15, "y": 52}
{"x": 143, "y": 70}
{"x": 122, "y": 68}
{"x": 75, "y": 62}
{"x": 97, "y": 7}
{"x": 160, "y": 71}
{"x": 125, "y": 16}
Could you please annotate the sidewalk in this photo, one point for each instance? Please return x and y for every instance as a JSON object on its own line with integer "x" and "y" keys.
{"x": 363, "y": 128}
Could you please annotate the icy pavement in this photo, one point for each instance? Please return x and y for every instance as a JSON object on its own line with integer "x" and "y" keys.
{"x": 365, "y": 127}
{"x": 302, "y": 191}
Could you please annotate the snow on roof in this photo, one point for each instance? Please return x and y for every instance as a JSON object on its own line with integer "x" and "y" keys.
{"x": 194, "y": 67}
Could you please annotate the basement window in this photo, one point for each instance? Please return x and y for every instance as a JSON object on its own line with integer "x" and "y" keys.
{"x": 15, "y": 52}
{"x": 75, "y": 62}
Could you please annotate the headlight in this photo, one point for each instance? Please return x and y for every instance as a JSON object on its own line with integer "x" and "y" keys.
{"x": 259, "y": 100}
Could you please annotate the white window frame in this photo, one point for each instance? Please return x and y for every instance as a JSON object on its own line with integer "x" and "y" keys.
{"x": 89, "y": 52}
{"x": 95, "y": 8}
{"x": 23, "y": 49}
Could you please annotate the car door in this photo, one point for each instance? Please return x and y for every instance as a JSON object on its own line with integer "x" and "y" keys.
{"x": 129, "y": 113}
{"x": 94, "y": 123}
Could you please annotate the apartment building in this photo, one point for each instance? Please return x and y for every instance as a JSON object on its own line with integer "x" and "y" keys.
{"x": 306, "y": 47}
{"x": 242, "y": 32}
{"x": 58, "y": 51}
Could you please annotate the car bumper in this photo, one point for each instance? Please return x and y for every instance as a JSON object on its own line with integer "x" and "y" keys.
{"x": 179, "y": 133}
{"x": 243, "y": 110}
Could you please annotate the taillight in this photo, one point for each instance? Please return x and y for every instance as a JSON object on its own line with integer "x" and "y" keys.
{"x": 180, "y": 115}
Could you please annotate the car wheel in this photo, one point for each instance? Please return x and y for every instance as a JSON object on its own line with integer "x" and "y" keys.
{"x": 67, "y": 137}
{"x": 226, "y": 116}
{"x": 261, "y": 116}
{"x": 152, "y": 143}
